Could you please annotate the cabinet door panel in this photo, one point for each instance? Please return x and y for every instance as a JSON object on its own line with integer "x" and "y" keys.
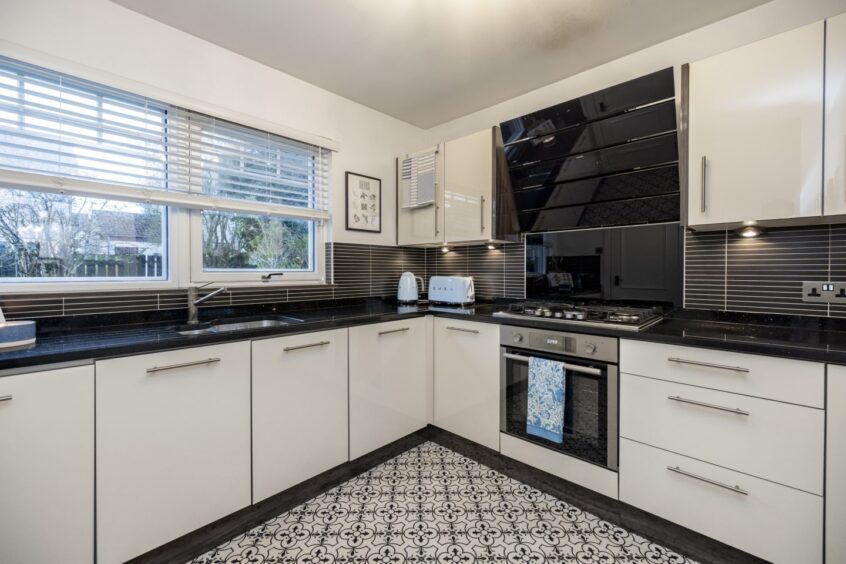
{"x": 173, "y": 445}
{"x": 468, "y": 187}
{"x": 47, "y": 466}
{"x": 423, "y": 225}
{"x": 467, "y": 380}
{"x": 835, "y": 116}
{"x": 835, "y": 489}
{"x": 299, "y": 409}
{"x": 756, "y": 118}
{"x": 389, "y": 383}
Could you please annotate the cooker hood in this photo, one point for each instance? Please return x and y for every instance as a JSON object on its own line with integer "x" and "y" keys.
{"x": 605, "y": 159}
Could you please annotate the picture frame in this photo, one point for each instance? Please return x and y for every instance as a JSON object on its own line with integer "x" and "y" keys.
{"x": 363, "y": 202}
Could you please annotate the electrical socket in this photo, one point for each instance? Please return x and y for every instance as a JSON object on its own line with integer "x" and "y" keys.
{"x": 839, "y": 292}
{"x": 824, "y": 292}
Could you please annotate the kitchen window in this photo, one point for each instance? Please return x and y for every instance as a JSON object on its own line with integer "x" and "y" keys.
{"x": 98, "y": 185}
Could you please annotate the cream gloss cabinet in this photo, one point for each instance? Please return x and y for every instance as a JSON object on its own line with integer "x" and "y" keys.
{"x": 390, "y": 382}
{"x": 300, "y": 422}
{"x": 47, "y": 466}
{"x": 467, "y": 379}
{"x": 834, "y": 177}
{"x": 173, "y": 445}
{"x": 756, "y": 125}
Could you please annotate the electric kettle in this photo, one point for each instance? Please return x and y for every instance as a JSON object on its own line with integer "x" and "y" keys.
{"x": 407, "y": 290}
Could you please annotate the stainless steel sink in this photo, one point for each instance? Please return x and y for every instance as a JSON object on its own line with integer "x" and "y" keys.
{"x": 248, "y": 325}
{"x": 237, "y": 324}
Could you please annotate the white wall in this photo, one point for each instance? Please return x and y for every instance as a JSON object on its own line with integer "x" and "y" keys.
{"x": 760, "y": 22}
{"x": 103, "y": 41}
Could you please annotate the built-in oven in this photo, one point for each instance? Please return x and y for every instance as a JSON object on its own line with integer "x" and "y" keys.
{"x": 590, "y": 398}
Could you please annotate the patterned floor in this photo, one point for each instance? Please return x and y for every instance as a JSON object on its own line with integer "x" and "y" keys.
{"x": 431, "y": 505}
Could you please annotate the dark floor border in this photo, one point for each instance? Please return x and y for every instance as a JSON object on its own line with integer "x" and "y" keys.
{"x": 656, "y": 529}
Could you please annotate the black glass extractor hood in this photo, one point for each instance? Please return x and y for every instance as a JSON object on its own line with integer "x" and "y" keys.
{"x": 605, "y": 159}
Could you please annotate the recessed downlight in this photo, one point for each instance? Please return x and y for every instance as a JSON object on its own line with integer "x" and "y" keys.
{"x": 750, "y": 231}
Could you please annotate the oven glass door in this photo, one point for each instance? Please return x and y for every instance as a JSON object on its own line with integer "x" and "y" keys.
{"x": 590, "y": 406}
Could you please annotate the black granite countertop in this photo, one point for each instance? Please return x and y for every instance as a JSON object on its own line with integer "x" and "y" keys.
{"x": 786, "y": 337}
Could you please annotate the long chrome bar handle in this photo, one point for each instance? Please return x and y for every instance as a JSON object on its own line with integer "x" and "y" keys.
{"x": 735, "y": 410}
{"x": 708, "y": 364}
{"x": 308, "y": 346}
{"x": 735, "y": 489}
{"x": 182, "y": 365}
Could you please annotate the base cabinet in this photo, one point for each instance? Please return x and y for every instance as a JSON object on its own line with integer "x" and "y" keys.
{"x": 467, "y": 380}
{"x": 835, "y": 488}
{"x": 300, "y": 425}
{"x": 173, "y": 445}
{"x": 47, "y": 466}
{"x": 390, "y": 371}
{"x": 768, "y": 520}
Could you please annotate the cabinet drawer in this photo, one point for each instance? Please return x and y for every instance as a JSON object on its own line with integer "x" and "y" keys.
{"x": 791, "y": 381}
{"x": 751, "y": 439}
{"x": 777, "y": 523}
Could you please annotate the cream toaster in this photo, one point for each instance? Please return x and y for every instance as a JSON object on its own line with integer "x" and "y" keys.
{"x": 451, "y": 289}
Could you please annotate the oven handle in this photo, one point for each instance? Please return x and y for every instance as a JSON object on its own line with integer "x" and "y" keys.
{"x": 571, "y": 367}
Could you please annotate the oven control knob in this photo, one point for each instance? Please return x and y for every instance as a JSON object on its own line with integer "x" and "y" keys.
{"x": 518, "y": 338}
{"x": 590, "y": 348}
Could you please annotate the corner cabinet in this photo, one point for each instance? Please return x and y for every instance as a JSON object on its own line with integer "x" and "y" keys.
{"x": 835, "y": 117}
{"x": 755, "y": 125}
{"x": 835, "y": 488}
{"x": 423, "y": 225}
{"x": 390, "y": 382}
{"x": 467, "y": 380}
{"x": 173, "y": 445}
{"x": 462, "y": 212}
{"x": 299, "y": 409}
{"x": 47, "y": 466}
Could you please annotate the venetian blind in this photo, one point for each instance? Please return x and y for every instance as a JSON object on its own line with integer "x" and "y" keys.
{"x": 59, "y": 133}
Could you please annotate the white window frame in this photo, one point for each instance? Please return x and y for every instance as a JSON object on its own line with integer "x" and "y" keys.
{"x": 253, "y": 277}
{"x": 176, "y": 236}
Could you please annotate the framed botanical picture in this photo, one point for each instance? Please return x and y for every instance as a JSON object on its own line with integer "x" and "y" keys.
{"x": 364, "y": 203}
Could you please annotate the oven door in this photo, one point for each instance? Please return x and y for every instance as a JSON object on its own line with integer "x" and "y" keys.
{"x": 590, "y": 405}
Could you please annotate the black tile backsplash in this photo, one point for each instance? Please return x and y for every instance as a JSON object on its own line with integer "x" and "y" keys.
{"x": 360, "y": 271}
{"x": 498, "y": 272}
{"x": 726, "y": 272}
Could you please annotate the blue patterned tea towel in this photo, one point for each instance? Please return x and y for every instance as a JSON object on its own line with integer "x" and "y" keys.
{"x": 545, "y": 411}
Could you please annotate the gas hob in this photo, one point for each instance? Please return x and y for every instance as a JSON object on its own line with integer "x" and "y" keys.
{"x": 587, "y": 315}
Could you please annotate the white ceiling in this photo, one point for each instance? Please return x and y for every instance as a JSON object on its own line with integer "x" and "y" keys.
{"x": 429, "y": 61}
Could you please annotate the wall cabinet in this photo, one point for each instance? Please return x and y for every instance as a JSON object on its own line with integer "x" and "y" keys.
{"x": 835, "y": 488}
{"x": 463, "y": 209}
{"x": 756, "y": 120}
{"x": 299, "y": 409}
{"x": 467, "y": 380}
{"x": 390, "y": 375}
{"x": 47, "y": 466}
{"x": 835, "y": 116}
{"x": 173, "y": 445}
{"x": 468, "y": 188}
{"x": 424, "y": 225}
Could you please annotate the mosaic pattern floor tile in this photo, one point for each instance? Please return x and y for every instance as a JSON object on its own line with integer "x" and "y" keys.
{"x": 431, "y": 505}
